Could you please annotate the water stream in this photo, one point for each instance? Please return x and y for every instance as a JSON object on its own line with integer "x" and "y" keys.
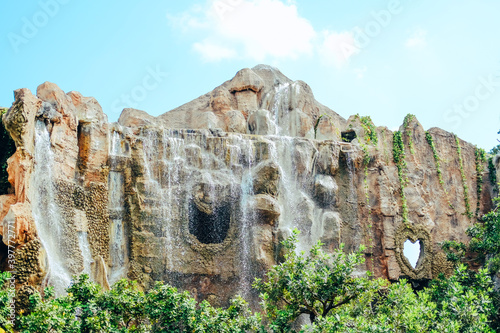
{"x": 47, "y": 215}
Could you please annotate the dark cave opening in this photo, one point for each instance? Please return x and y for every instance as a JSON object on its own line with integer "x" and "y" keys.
{"x": 83, "y": 146}
{"x": 8, "y": 149}
{"x": 209, "y": 228}
{"x": 348, "y": 136}
{"x": 4, "y": 255}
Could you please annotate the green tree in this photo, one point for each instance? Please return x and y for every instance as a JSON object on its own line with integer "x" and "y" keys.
{"x": 312, "y": 285}
{"x": 495, "y": 150}
{"x": 6, "y": 296}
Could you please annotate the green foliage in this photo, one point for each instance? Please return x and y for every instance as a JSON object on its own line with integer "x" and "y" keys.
{"x": 312, "y": 285}
{"x": 406, "y": 123}
{"x": 317, "y": 122}
{"x": 7, "y": 150}
{"x": 370, "y": 129}
{"x": 485, "y": 240}
{"x": 463, "y": 300}
{"x": 437, "y": 161}
{"x": 320, "y": 285}
{"x": 495, "y": 150}
{"x": 458, "y": 304}
{"x": 398, "y": 154}
{"x": 171, "y": 311}
{"x": 492, "y": 171}
{"x": 480, "y": 158}
{"x": 485, "y": 244}
{"x": 366, "y": 162}
{"x": 124, "y": 308}
{"x": 6, "y": 299}
{"x": 468, "y": 211}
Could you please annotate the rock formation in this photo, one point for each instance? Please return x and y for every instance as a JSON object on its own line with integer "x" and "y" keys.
{"x": 202, "y": 195}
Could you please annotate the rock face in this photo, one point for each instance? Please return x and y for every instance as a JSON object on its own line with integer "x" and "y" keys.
{"x": 202, "y": 195}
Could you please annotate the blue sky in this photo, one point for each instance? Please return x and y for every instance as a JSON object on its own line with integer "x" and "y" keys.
{"x": 439, "y": 60}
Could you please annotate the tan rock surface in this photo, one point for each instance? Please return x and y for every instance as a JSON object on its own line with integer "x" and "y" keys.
{"x": 215, "y": 167}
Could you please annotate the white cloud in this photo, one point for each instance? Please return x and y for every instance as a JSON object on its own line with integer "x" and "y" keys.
{"x": 360, "y": 72}
{"x": 188, "y": 21}
{"x": 417, "y": 39}
{"x": 337, "y": 48}
{"x": 256, "y": 29}
{"x": 210, "y": 51}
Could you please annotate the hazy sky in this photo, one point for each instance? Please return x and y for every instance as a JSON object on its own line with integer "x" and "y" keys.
{"x": 439, "y": 60}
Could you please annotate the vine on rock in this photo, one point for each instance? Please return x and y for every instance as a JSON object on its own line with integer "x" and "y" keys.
{"x": 406, "y": 123}
{"x": 492, "y": 171}
{"x": 370, "y": 130}
{"x": 480, "y": 160}
{"x": 398, "y": 153}
{"x": 464, "y": 179}
{"x": 437, "y": 161}
{"x": 366, "y": 161}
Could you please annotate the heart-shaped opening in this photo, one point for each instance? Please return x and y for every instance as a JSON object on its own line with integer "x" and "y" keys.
{"x": 411, "y": 251}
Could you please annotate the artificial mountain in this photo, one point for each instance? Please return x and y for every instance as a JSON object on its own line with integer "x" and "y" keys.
{"x": 201, "y": 196}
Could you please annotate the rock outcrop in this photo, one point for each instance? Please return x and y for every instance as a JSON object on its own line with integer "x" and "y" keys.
{"x": 202, "y": 195}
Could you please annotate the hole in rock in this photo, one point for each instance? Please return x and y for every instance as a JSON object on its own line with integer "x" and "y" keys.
{"x": 83, "y": 145}
{"x": 412, "y": 252}
{"x": 209, "y": 228}
{"x": 7, "y": 150}
{"x": 348, "y": 136}
{"x": 4, "y": 253}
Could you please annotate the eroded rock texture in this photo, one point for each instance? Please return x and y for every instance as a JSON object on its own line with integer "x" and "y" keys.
{"x": 202, "y": 195}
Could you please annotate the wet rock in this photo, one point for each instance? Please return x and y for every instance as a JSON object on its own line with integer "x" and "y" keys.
{"x": 297, "y": 123}
{"x": 135, "y": 118}
{"x": 260, "y": 122}
{"x": 325, "y": 190}
{"x": 266, "y": 178}
{"x": 327, "y": 160}
{"x": 220, "y": 100}
{"x": 47, "y": 111}
{"x": 19, "y": 120}
{"x": 235, "y": 121}
{"x": 265, "y": 207}
{"x": 264, "y": 247}
{"x": 246, "y": 79}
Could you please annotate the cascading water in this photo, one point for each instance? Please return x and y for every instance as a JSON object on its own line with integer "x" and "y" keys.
{"x": 244, "y": 153}
{"x": 164, "y": 164}
{"x": 297, "y": 208}
{"x": 350, "y": 171}
{"x": 281, "y": 104}
{"x": 83, "y": 244}
{"x": 173, "y": 159}
{"x": 118, "y": 246}
{"x": 47, "y": 215}
{"x": 292, "y": 198}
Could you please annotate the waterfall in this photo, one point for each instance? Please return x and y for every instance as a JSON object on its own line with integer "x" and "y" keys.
{"x": 245, "y": 154}
{"x": 83, "y": 244}
{"x": 116, "y": 197}
{"x": 281, "y": 104}
{"x": 47, "y": 215}
{"x": 173, "y": 160}
{"x": 350, "y": 171}
{"x": 164, "y": 165}
{"x": 290, "y": 193}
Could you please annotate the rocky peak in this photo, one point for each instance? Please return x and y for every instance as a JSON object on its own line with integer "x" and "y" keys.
{"x": 190, "y": 198}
